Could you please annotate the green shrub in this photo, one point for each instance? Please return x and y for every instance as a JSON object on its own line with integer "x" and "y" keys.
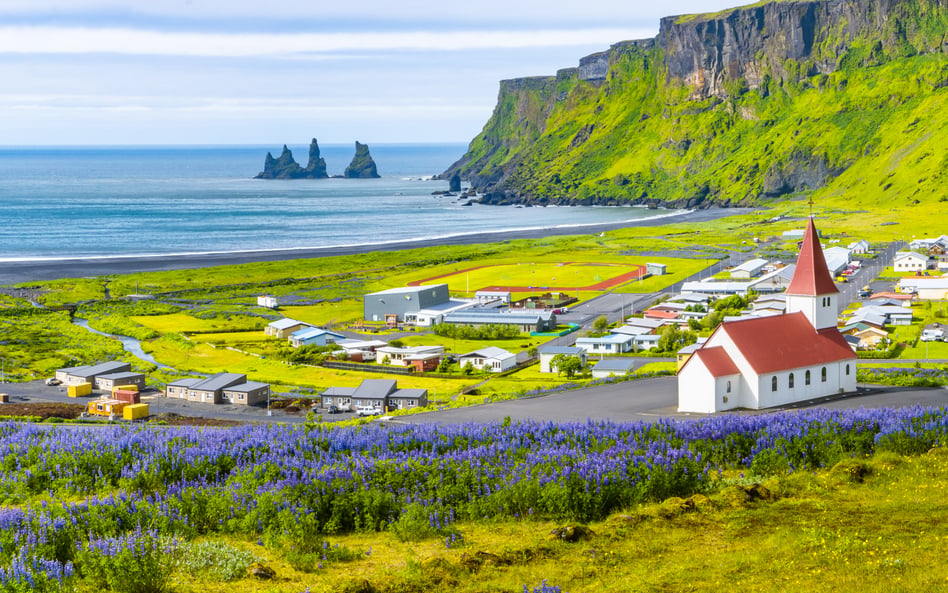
{"x": 216, "y": 560}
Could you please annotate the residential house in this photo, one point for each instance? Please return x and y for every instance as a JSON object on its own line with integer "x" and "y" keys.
{"x": 314, "y": 336}
{"x": 547, "y": 353}
{"x": 88, "y": 373}
{"x": 776, "y": 280}
{"x": 770, "y": 305}
{"x": 650, "y": 325}
{"x": 282, "y": 328}
{"x": 928, "y": 289}
{"x": 711, "y": 287}
{"x": 860, "y": 247}
{"x": 869, "y": 337}
{"x": 435, "y": 314}
{"x": 111, "y": 381}
{"x": 248, "y": 393}
{"x": 405, "y": 357}
{"x": 609, "y": 344}
{"x": 492, "y": 358}
{"x": 910, "y": 261}
{"x": 208, "y": 391}
{"x": 381, "y": 394}
{"x": 645, "y": 341}
{"x": 360, "y": 350}
{"x": 892, "y": 314}
{"x": 685, "y": 353}
{"x": 770, "y": 361}
{"x": 608, "y": 367}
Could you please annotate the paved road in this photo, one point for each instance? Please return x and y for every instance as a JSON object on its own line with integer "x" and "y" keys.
{"x": 652, "y": 399}
{"x": 38, "y": 392}
{"x": 870, "y": 270}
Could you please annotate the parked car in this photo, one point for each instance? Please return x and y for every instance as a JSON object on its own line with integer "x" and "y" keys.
{"x": 368, "y": 411}
{"x": 53, "y": 381}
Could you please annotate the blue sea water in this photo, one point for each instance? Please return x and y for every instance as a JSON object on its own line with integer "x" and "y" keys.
{"x": 125, "y": 201}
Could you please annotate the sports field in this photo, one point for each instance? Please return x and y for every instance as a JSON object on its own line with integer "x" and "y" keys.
{"x": 567, "y": 277}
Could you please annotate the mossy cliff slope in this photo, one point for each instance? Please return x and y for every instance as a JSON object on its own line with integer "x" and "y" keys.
{"x": 847, "y": 97}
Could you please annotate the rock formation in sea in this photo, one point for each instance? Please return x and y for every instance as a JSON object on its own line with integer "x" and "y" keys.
{"x": 362, "y": 165}
{"x": 286, "y": 167}
{"x": 455, "y": 183}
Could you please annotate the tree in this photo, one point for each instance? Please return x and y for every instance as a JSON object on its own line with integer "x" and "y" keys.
{"x": 567, "y": 365}
{"x": 468, "y": 368}
{"x": 396, "y": 343}
{"x": 601, "y": 324}
{"x": 444, "y": 366}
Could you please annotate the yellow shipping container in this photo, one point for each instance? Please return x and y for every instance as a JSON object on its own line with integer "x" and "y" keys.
{"x": 79, "y": 390}
{"x": 135, "y": 411}
{"x": 125, "y": 388}
{"x": 106, "y": 407}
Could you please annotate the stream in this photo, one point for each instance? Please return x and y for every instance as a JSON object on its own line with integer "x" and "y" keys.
{"x": 131, "y": 345}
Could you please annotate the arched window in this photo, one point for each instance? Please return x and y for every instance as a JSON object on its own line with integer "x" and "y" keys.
{"x": 791, "y": 380}
{"x": 806, "y": 378}
{"x": 823, "y": 373}
{"x": 773, "y": 384}
{"x": 847, "y": 369}
{"x": 729, "y": 387}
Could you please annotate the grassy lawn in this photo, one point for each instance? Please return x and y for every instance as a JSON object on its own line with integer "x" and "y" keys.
{"x": 184, "y": 323}
{"x": 464, "y": 346}
{"x": 326, "y": 313}
{"x": 678, "y": 269}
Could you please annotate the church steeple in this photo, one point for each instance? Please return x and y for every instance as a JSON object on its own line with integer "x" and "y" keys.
{"x": 811, "y": 289}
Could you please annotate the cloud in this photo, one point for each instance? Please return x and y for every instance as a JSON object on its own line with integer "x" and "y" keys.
{"x": 127, "y": 41}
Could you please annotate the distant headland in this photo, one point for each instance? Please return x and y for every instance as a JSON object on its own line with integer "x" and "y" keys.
{"x": 361, "y": 167}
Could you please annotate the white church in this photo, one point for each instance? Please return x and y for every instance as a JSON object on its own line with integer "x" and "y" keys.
{"x": 762, "y": 362}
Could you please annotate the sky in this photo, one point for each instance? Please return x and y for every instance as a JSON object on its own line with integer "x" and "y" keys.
{"x": 176, "y": 72}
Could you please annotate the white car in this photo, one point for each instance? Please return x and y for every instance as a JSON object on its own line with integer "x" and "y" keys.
{"x": 368, "y": 411}
{"x": 53, "y": 381}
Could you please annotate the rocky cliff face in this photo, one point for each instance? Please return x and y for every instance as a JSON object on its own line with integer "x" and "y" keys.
{"x": 362, "y": 165}
{"x": 658, "y": 121}
{"x": 708, "y": 52}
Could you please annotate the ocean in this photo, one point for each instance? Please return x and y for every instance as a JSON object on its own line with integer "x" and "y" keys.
{"x": 94, "y": 202}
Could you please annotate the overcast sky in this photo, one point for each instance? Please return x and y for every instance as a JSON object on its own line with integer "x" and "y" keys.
{"x": 257, "y": 72}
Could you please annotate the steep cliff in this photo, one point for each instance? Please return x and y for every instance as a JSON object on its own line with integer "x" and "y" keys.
{"x": 362, "y": 166}
{"x": 845, "y": 96}
{"x": 286, "y": 166}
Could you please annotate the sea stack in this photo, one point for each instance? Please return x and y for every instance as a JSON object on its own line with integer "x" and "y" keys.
{"x": 362, "y": 165}
{"x": 286, "y": 167}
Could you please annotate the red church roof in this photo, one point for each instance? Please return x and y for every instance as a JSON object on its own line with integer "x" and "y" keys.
{"x": 811, "y": 277}
{"x": 784, "y": 342}
{"x": 716, "y": 360}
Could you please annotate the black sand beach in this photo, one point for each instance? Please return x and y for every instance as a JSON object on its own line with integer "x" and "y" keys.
{"x": 37, "y": 270}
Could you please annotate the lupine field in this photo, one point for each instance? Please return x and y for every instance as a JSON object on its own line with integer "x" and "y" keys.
{"x": 109, "y": 508}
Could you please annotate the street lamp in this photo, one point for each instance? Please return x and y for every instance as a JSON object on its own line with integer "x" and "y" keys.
{"x": 269, "y": 411}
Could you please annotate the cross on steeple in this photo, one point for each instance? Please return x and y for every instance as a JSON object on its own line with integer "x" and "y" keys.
{"x": 810, "y": 204}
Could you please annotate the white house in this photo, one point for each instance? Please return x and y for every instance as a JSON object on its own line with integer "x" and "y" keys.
{"x": 859, "y": 247}
{"x": 928, "y": 289}
{"x": 909, "y": 261}
{"x": 617, "y": 367}
{"x": 492, "y": 358}
{"x": 282, "y": 328}
{"x": 776, "y": 360}
{"x": 548, "y": 352}
{"x": 267, "y": 301}
{"x": 611, "y": 344}
{"x": 403, "y": 357}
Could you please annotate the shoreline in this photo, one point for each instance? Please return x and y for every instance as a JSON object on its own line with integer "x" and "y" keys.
{"x": 16, "y": 272}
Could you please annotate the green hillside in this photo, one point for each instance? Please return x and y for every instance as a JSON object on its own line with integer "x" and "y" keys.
{"x": 859, "y": 115}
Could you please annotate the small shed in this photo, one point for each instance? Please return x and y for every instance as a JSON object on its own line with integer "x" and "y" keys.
{"x": 613, "y": 367}
{"x": 654, "y": 269}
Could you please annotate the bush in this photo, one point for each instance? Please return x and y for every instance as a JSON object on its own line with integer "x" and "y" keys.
{"x": 217, "y": 560}
{"x": 137, "y": 562}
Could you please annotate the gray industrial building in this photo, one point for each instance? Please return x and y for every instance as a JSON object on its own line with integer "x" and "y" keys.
{"x": 393, "y": 304}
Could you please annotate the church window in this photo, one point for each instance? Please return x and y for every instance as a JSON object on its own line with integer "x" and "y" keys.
{"x": 806, "y": 378}
{"x": 773, "y": 384}
{"x": 729, "y": 387}
{"x": 791, "y": 380}
{"x": 847, "y": 369}
{"x": 823, "y": 373}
